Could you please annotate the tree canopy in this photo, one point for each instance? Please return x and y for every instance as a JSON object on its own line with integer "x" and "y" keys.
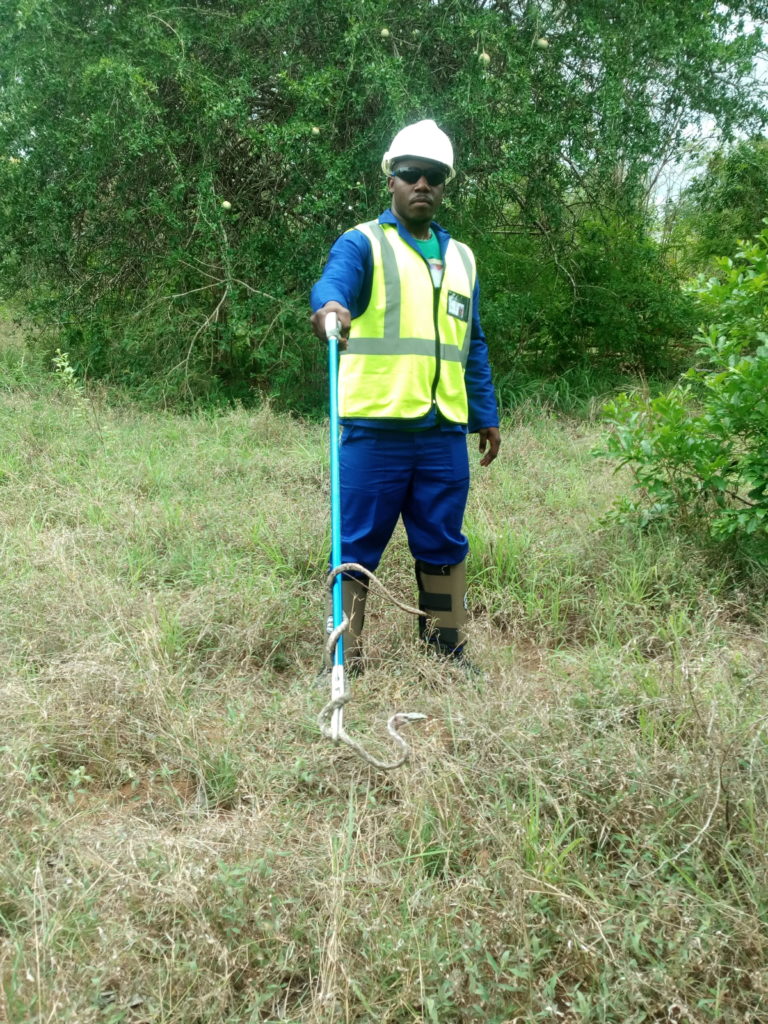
{"x": 727, "y": 203}
{"x": 125, "y": 126}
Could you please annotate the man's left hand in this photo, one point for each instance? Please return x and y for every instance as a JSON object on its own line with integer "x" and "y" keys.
{"x": 490, "y": 438}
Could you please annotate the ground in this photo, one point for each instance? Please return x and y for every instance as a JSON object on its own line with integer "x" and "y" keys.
{"x": 578, "y": 837}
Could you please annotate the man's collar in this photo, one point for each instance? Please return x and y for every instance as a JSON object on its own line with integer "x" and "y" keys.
{"x": 387, "y": 217}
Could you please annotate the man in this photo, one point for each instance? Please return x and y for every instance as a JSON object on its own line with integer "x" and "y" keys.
{"x": 414, "y": 377}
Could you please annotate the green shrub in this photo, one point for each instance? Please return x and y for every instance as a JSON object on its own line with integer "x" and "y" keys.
{"x": 701, "y": 449}
{"x": 628, "y": 305}
{"x": 724, "y": 203}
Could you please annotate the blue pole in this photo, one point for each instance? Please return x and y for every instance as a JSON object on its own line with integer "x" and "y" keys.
{"x": 338, "y": 686}
{"x": 332, "y": 328}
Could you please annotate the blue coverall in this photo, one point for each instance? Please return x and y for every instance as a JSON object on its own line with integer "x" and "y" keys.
{"x": 415, "y": 468}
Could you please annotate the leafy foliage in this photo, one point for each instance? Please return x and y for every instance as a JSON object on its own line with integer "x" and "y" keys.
{"x": 125, "y": 127}
{"x": 701, "y": 450}
{"x": 726, "y": 203}
{"x": 627, "y": 305}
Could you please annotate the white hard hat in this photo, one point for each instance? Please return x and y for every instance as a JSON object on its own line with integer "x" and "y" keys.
{"x": 423, "y": 140}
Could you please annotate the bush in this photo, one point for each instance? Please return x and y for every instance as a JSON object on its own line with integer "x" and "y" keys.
{"x": 628, "y": 307}
{"x": 170, "y": 182}
{"x": 723, "y": 204}
{"x": 701, "y": 450}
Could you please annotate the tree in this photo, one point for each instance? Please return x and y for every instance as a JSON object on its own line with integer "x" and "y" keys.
{"x": 727, "y": 203}
{"x": 131, "y": 123}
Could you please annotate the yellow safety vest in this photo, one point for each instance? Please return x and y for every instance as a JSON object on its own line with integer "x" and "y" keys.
{"x": 409, "y": 347}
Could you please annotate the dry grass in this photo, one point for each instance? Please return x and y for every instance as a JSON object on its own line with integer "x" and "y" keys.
{"x": 580, "y": 837}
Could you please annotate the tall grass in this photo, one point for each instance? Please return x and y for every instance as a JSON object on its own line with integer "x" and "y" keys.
{"x": 578, "y": 837}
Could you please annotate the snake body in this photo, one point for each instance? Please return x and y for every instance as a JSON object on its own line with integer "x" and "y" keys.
{"x": 396, "y": 721}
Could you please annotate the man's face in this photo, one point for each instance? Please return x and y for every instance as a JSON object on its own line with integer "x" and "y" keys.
{"x": 419, "y": 202}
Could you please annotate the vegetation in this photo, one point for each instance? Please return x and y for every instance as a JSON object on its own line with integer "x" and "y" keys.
{"x": 724, "y": 205}
{"x": 579, "y": 837}
{"x": 126, "y": 127}
{"x": 701, "y": 449}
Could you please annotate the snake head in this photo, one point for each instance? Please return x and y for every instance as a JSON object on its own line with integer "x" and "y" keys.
{"x": 405, "y": 717}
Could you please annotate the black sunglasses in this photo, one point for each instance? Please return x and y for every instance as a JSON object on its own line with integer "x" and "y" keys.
{"x": 434, "y": 175}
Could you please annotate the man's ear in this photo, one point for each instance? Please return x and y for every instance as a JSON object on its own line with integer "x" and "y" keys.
{"x": 391, "y": 183}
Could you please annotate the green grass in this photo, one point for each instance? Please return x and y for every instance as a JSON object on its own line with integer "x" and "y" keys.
{"x": 581, "y": 837}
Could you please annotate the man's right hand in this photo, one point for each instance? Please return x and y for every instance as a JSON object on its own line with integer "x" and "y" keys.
{"x": 318, "y": 321}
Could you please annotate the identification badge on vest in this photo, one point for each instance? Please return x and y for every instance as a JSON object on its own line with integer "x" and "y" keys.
{"x": 458, "y": 306}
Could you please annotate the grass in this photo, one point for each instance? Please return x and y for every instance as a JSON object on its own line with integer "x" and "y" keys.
{"x": 581, "y": 837}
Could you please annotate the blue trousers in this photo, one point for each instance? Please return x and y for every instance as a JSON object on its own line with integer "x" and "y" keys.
{"x": 421, "y": 475}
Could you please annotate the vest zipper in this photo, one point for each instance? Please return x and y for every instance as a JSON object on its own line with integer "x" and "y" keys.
{"x": 435, "y": 313}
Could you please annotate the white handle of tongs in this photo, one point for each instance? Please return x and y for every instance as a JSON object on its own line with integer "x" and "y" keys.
{"x": 338, "y": 689}
{"x": 332, "y": 326}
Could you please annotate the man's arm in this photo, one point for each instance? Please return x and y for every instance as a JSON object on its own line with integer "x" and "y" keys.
{"x": 481, "y": 396}
{"x": 345, "y": 284}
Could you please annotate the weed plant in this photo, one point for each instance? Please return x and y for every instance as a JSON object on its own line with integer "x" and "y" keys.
{"x": 579, "y": 837}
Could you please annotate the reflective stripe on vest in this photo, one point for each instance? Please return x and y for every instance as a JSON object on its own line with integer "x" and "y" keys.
{"x": 394, "y": 359}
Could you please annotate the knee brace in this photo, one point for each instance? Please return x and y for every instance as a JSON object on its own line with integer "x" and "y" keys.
{"x": 442, "y": 596}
